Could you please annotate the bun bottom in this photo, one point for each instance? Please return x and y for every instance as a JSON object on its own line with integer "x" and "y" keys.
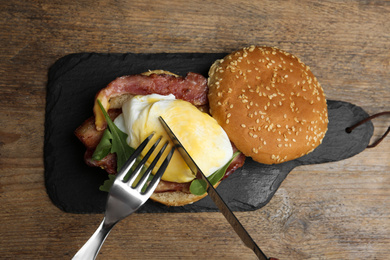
{"x": 177, "y": 198}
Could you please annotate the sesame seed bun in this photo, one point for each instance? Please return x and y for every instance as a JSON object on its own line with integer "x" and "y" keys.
{"x": 269, "y": 103}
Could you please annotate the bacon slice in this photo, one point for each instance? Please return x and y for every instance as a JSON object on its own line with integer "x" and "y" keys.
{"x": 192, "y": 88}
{"x": 108, "y": 163}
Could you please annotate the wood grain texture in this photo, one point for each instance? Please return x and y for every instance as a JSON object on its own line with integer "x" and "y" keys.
{"x": 333, "y": 211}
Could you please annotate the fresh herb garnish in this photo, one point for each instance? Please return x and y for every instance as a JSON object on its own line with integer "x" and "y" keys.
{"x": 104, "y": 146}
{"x": 106, "y": 186}
{"x": 113, "y": 141}
{"x": 199, "y": 186}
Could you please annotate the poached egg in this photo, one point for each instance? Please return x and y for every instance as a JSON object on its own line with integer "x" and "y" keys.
{"x": 201, "y": 135}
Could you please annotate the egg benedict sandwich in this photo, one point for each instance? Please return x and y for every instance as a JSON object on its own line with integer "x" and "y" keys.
{"x": 135, "y": 103}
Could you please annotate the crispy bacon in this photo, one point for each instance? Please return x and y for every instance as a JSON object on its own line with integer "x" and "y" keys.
{"x": 192, "y": 88}
{"x": 108, "y": 163}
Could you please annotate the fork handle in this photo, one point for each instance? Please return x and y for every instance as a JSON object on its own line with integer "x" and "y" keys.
{"x": 91, "y": 248}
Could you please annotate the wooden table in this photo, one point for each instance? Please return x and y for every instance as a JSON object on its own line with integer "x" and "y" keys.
{"x": 338, "y": 210}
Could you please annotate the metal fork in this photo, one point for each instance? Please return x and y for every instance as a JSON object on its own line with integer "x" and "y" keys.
{"x": 126, "y": 195}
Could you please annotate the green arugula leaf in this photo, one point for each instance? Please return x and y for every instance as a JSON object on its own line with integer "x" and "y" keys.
{"x": 113, "y": 141}
{"x": 104, "y": 146}
{"x": 118, "y": 139}
{"x": 199, "y": 186}
{"x": 107, "y": 183}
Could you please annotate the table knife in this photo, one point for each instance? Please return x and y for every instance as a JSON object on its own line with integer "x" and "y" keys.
{"x": 214, "y": 195}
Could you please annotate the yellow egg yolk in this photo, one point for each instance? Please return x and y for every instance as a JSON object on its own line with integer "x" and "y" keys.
{"x": 199, "y": 133}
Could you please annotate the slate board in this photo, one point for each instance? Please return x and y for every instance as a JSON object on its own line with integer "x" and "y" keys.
{"x": 73, "y": 82}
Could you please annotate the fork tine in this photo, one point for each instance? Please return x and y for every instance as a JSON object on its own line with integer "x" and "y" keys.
{"x": 147, "y": 173}
{"x": 140, "y": 165}
{"x": 154, "y": 182}
{"x": 130, "y": 162}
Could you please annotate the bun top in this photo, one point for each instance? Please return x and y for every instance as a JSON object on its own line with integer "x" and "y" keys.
{"x": 269, "y": 103}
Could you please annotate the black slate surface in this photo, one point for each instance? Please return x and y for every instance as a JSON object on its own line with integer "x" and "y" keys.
{"x": 72, "y": 84}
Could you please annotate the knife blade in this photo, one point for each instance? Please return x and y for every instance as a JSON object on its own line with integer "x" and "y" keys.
{"x": 214, "y": 195}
